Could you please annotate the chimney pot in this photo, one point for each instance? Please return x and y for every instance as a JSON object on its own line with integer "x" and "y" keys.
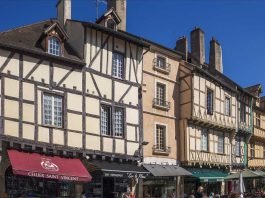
{"x": 197, "y": 46}
{"x": 215, "y": 58}
{"x": 63, "y": 11}
{"x": 182, "y": 46}
{"x": 120, "y": 7}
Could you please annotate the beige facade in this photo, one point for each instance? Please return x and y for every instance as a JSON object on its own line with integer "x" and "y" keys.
{"x": 256, "y": 146}
{"x": 161, "y": 68}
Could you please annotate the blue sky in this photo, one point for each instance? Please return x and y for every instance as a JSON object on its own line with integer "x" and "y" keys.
{"x": 237, "y": 24}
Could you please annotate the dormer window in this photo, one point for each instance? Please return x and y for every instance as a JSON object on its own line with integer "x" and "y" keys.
{"x": 111, "y": 24}
{"x": 54, "y": 46}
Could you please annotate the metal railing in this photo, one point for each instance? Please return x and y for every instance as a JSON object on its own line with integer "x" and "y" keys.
{"x": 165, "y": 67}
{"x": 161, "y": 103}
{"x": 159, "y": 149}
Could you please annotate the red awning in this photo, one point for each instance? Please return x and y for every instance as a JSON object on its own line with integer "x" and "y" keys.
{"x": 36, "y": 165}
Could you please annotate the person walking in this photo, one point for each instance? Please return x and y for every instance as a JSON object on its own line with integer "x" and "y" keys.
{"x": 199, "y": 193}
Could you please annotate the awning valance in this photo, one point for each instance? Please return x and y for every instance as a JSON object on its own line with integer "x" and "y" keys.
{"x": 36, "y": 165}
{"x": 208, "y": 175}
{"x": 158, "y": 170}
{"x": 116, "y": 169}
{"x": 246, "y": 174}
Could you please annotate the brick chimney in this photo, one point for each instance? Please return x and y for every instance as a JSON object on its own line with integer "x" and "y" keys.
{"x": 215, "y": 58}
{"x": 197, "y": 46}
{"x": 182, "y": 46}
{"x": 120, "y": 7}
{"x": 63, "y": 11}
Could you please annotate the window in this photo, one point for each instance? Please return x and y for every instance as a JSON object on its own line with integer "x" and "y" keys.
{"x": 107, "y": 128}
{"x": 54, "y": 46}
{"x": 118, "y": 122}
{"x": 227, "y": 106}
{"x": 204, "y": 140}
{"x": 264, "y": 150}
{"x": 105, "y": 120}
{"x": 209, "y": 101}
{"x": 220, "y": 142}
{"x": 161, "y": 94}
{"x": 161, "y": 62}
{"x": 238, "y": 146}
{"x": 252, "y": 150}
{"x": 111, "y": 24}
{"x": 52, "y": 110}
{"x": 117, "y": 65}
{"x": 257, "y": 120}
{"x": 242, "y": 112}
{"x": 161, "y": 137}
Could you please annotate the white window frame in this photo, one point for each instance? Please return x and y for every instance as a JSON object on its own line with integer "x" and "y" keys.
{"x": 118, "y": 65}
{"x": 238, "y": 146}
{"x": 109, "y": 120}
{"x": 204, "y": 139}
{"x": 220, "y": 144}
{"x": 112, "y": 125}
{"x": 53, "y": 96}
{"x": 212, "y": 101}
{"x": 228, "y": 107}
{"x": 56, "y": 52}
{"x": 158, "y": 62}
{"x": 115, "y": 126}
{"x": 165, "y": 136}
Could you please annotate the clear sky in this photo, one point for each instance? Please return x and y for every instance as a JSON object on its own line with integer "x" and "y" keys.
{"x": 239, "y": 25}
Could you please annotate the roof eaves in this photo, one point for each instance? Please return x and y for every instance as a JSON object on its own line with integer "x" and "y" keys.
{"x": 115, "y": 33}
{"x": 34, "y": 52}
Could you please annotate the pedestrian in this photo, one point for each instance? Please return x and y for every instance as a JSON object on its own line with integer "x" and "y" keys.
{"x": 199, "y": 193}
{"x": 211, "y": 195}
{"x": 83, "y": 195}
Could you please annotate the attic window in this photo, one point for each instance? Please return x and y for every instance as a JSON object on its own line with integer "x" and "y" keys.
{"x": 111, "y": 24}
{"x": 54, "y": 46}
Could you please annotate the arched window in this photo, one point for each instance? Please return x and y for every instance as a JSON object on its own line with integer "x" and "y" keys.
{"x": 111, "y": 24}
{"x": 54, "y": 46}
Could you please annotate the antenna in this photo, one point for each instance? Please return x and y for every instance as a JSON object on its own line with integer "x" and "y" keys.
{"x": 97, "y": 5}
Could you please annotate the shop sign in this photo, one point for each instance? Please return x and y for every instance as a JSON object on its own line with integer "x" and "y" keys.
{"x": 125, "y": 175}
{"x": 52, "y": 176}
{"x": 136, "y": 175}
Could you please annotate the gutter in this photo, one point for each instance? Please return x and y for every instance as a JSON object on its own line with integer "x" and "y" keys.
{"x": 34, "y": 52}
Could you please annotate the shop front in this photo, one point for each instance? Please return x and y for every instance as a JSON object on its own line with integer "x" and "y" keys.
{"x": 166, "y": 181}
{"x": 35, "y": 175}
{"x": 212, "y": 180}
{"x": 113, "y": 179}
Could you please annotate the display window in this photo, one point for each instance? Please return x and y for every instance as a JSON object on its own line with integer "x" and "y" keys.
{"x": 23, "y": 186}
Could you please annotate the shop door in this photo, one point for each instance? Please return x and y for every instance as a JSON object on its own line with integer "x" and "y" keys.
{"x": 108, "y": 187}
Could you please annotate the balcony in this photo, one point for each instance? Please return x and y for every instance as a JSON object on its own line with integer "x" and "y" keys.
{"x": 213, "y": 120}
{"x": 243, "y": 126}
{"x": 157, "y": 149}
{"x": 161, "y": 66}
{"x": 256, "y": 163}
{"x": 161, "y": 104}
{"x": 208, "y": 157}
{"x": 259, "y": 132}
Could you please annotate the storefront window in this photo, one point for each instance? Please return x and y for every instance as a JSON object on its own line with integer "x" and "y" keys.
{"x": 159, "y": 188}
{"x": 17, "y": 186}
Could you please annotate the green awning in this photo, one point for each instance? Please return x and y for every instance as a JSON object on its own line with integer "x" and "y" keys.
{"x": 246, "y": 174}
{"x": 208, "y": 175}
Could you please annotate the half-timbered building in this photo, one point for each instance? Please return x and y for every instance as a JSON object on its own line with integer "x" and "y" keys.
{"x": 69, "y": 89}
{"x": 209, "y": 115}
{"x": 256, "y": 146}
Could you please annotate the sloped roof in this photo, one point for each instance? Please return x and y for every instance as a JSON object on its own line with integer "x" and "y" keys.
{"x": 255, "y": 89}
{"x": 30, "y": 38}
{"x": 112, "y": 12}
